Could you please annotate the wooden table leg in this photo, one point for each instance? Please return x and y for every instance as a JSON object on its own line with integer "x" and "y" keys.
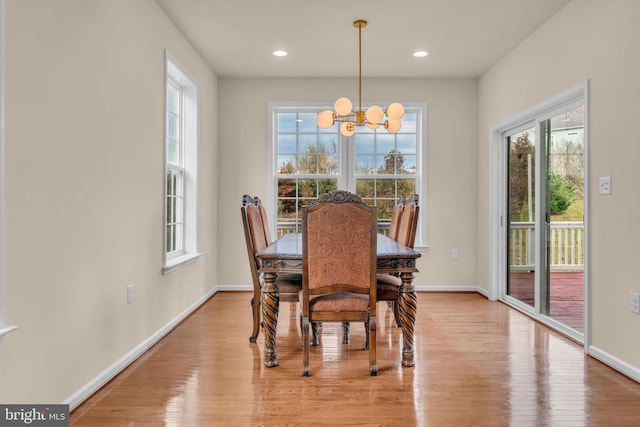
{"x": 269, "y": 301}
{"x": 407, "y": 308}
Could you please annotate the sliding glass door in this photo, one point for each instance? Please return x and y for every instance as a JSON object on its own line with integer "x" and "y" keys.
{"x": 545, "y": 216}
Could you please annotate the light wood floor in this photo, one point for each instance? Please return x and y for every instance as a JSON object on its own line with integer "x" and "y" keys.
{"x": 479, "y": 363}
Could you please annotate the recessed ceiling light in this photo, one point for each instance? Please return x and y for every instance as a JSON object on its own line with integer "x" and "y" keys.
{"x": 420, "y": 53}
{"x": 280, "y": 53}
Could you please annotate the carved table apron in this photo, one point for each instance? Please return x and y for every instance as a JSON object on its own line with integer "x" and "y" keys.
{"x": 285, "y": 255}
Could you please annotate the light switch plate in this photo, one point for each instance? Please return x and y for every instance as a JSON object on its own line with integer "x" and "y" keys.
{"x": 605, "y": 185}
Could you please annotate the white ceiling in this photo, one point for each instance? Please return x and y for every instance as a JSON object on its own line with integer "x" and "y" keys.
{"x": 464, "y": 38}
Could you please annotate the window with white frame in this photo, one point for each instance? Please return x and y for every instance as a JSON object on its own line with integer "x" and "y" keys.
{"x": 378, "y": 166}
{"x": 181, "y": 160}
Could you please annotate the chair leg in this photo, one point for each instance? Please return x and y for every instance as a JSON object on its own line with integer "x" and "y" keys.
{"x": 314, "y": 334}
{"x": 373, "y": 366}
{"x": 255, "y": 308}
{"x": 304, "y": 320}
{"x": 396, "y": 312}
{"x": 366, "y": 331}
{"x": 346, "y": 339}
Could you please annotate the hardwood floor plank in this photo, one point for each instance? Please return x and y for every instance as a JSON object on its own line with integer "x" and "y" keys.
{"x": 478, "y": 363}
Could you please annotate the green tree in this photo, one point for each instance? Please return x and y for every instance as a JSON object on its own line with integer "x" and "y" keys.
{"x": 562, "y": 194}
{"x": 519, "y": 176}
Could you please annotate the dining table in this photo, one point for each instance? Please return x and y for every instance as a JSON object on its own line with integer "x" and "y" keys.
{"x": 285, "y": 256}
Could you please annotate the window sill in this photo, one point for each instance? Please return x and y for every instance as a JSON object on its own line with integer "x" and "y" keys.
{"x": 178, "y": 262}
{"x": 5, "y": 330}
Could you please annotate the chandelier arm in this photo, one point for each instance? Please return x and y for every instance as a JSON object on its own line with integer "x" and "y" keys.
{"x": 360, "y": 67}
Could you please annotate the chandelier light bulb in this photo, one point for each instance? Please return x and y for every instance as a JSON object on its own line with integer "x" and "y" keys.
{"x": 395, "y": 111}
{"x": 343, "y": 106}
{"x": 393, "y": 125}
{"x": 374, "y": 115}
{"x": 347, "y": 129}
{"x": 325, "y": 119}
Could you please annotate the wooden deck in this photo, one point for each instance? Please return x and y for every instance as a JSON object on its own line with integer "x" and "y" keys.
{"x": 567, "y": 295}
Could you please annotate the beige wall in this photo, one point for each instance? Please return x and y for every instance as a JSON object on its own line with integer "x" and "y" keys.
{"x": 451, "y": 156}
{"x": 84, "y": 99}
{"x": 598, "y": 41}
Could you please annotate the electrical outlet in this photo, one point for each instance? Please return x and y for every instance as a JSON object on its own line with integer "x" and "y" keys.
{"x": 635, "y": 302}
{"x": 455, "y": 254}
{"x": 130, "y": 294}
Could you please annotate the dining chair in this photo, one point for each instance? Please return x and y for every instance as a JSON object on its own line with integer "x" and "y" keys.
{"x": 395, "y": 218}
{"x": 339, "y": 239}
{"x": 405, "y": 233}
{"x": 257, "y": 238}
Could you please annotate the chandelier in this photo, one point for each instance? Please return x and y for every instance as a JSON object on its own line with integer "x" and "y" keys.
{"x": 372, "y": 118}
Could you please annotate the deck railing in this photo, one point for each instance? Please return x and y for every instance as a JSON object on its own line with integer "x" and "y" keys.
{"x": 292, "y": 227}
{"x": 566, "y": 245}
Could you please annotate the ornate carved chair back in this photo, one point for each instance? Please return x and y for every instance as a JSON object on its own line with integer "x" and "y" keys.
{"x": 339, "y": 239}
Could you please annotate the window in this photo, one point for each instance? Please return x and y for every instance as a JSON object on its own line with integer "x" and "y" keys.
{"x": 181, "y": 160}
{"x": 376, "y": 165}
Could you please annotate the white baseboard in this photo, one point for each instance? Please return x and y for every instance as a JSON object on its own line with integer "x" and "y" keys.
{"x": 631, "y": 371}
{"x": 470, "y": 288}
{"x": 108, "y": 374}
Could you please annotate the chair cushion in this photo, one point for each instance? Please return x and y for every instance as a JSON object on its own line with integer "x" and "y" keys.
{"x": 338, "y": 302}
{"x": 387, "y": 287}
{"x": 388, "y": 279}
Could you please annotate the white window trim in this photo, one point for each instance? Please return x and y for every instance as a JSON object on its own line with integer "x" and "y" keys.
{"x": 4, "y": 329}
{"x": 191, "y": 140}
{"x": 345, "y": 181}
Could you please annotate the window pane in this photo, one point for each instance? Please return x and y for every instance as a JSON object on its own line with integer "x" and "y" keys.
{"x": 326, "y": 185}
{"x": 286, "y": 143}
{"x": 409, "y": 123}
{"x": 406, "y": 143}
{"x": 364, "y": 143}
{"x": 308, "y": 144}
{"x": 286, "y": 122}
{"x": 365, "y": 164}
{"x": 385, "y": 164}
{"x": 170, "y": 210}
{"x": 365, "y": 188}
{"x": 308, "y": 164}
{"x": 307, "y": 122}
{"x": 286, "y": 164}
{"x": 385, "y": 142}
{"x": 407, "y": 164}
{"x": 406, "y": 187}
{"x": 386, "y": 188}
{"x": 385, "y": 209}
{"x": 173, "y": 127}
{"x": 328, "y": 144}
{"x": 170, "y": 238}
{"x": 286, "y": 188}
{"x": 173, "y": 152}
{"x": 173, "y": 96}
{"x": 328, "y": 164}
